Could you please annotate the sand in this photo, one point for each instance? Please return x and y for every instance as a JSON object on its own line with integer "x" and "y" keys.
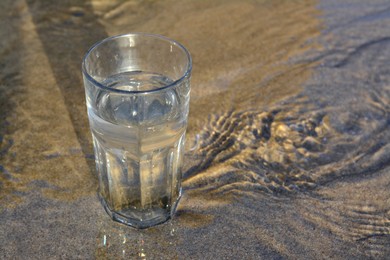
{"x": 287, "y": 152}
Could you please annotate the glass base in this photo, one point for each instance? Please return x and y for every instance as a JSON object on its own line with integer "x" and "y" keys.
{"x": 141, "y": 219}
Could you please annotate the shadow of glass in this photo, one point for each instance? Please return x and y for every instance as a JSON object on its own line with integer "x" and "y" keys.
{"x": 67, "y": 29}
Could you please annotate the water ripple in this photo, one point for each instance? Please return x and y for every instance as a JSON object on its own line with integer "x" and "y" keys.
{"x": 295, "y": 146}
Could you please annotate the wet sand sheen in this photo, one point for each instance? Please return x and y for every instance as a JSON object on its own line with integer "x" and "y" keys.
{"x": 287, "y": 159}
{"x": 237, "y": 47}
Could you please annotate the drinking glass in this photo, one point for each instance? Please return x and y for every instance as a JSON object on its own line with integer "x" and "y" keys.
{"x": 137, "y": 89}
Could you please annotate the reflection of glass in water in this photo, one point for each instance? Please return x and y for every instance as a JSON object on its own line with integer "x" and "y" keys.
{"x": 138, "y": 142}
{"x": 119, "y": 241}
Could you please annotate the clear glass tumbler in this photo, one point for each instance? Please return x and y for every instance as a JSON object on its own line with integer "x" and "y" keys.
{"x": 137, "y": 90}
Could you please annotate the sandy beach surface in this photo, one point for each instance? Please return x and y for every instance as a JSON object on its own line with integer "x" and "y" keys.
{"x": 288, "y": 142}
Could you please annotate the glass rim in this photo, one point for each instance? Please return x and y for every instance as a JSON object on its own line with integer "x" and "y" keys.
{"x": 157, "y": 36}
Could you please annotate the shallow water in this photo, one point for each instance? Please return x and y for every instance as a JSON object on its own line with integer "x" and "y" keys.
{"x": 288, "y": 140}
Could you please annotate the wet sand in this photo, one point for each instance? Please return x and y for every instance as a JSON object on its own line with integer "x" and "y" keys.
{"x": 287, "y": 151}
